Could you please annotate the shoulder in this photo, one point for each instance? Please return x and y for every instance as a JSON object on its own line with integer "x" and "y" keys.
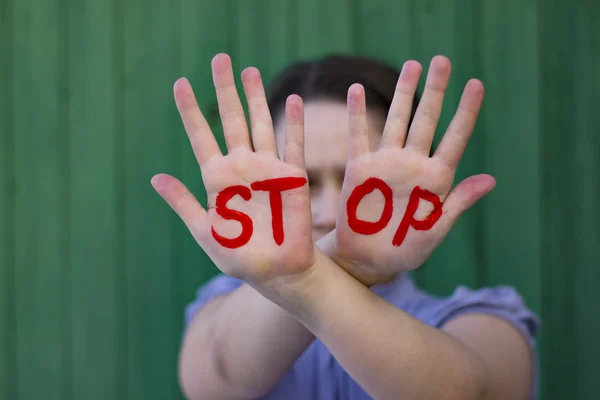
{"x": 503, "y": 302}
{"x": 500, "y": 301}
{"x": 496, "y": 323}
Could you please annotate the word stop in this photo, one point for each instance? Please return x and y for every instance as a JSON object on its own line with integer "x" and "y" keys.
{"x": 276, "y": 186}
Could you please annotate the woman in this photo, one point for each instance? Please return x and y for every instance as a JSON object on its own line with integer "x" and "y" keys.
{"x": 315, "y": 301}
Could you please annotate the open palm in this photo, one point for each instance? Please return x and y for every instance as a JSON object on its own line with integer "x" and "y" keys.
{"x": 397, "y": 205}
{"x": 257, "y": 225}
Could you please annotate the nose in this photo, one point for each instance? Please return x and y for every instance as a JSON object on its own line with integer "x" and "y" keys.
{"x": 325, "y": 207}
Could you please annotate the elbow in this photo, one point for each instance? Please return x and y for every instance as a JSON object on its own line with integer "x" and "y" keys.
{"x": 473, "y": 384}
{"x": 198, "y": 374}
{"x": 189, "y": 391}
{"x": 198, "y": 382}
{"x": 201, "y": 377}
{"x": 205, "y": 376}
{"x": 191, "y": 384}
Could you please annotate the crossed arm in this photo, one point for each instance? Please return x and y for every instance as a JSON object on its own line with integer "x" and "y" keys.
{"x": 240, "y": 345}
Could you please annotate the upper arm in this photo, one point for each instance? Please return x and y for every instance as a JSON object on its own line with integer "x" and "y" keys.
{"x": 503, "y": 349}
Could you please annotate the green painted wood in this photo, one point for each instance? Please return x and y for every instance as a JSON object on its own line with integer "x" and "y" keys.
{"x": 384, "y": 32}
{"x": 586, "y": 222}
{"x": 281, "y": 29}
{"x": 447, "y": 28}
{"x": 511, "y": 120}
{"x": 7, "y": 208}
{"x": 95, "y": 269}
{"x": 558, "y": 100}
{"x": 252, "y": 39}
{"x": 121, "y": 192}
{"x": 42, "y": 275}
{"x": 323, "y": 27}
{"x": 509, "y": 66}
{"x": 150, "y": 48}
{"x": 570, "y": 97}
{"x": 265, "y": 35}
{"x": 96, "y": 294}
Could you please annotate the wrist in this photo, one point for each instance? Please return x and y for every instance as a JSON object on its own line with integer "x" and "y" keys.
{"x": 303, "y": 296}
{"x": 325, "y": 297}
{"x": 361, "y": 271}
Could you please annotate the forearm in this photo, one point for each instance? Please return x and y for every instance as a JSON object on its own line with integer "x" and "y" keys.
{"x": 241, "y": 349}
{"x": 245, "y": 347}
{"x": 388, "y": 352}
{"x": 362, "y": 273}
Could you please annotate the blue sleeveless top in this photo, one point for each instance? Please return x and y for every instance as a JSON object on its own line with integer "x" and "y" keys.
{"x": 317, "y": 375}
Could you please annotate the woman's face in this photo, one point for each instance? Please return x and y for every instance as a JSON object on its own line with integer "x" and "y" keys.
{"x": 326, "y": 153}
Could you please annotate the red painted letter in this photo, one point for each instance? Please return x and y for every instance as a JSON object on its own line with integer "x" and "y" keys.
{"x": 275, "y": 187}
{"x": 409, "y": 216}
{"x": 366, "y": 227}
{"x": 222, "y": 198}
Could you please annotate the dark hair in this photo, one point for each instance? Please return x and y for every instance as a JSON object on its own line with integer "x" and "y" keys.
{"x": 330, "y": 77}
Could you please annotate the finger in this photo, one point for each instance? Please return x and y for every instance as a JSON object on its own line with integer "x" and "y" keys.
{"x": 261, "y": 124}
{"x": 235, "y": 128}
{"x": 357, "y": 121}
{"x": 182, "y": 202}
{"x": 422, "y": 129}
{"x": 466, "y": 194}
{"x": 396, "y": 126}
{"x": 453, "y": 144}
{"x": 201, "y": 138}
{"x": 294, "y": 131}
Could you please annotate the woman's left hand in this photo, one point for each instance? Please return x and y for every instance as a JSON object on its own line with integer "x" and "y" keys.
{"x": 397, "y": 205}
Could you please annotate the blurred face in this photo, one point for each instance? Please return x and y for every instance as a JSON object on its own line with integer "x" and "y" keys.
{"x": 326, "y": 152}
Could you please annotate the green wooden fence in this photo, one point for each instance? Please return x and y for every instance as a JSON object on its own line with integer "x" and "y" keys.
{"x": 95, "y": 269}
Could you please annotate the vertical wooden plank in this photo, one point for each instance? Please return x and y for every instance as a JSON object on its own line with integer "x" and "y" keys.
{"x": 448, "y": 28}
{"x": 121, "y": 193}
{"x": 281, "y": 30}
{"x": 7, "y": 208}
{"x": 309, "y": 35}
{"x": 265, "y": 35}
{"x": 41, "y": 202}
{"x": 586, "y": 177}
{"x": 336, "y": 18}
{"x": 252, "y": 44}
{"x": 199, "y": 45}
{"x": 151, "y": 48}
{"x": 324, "y": 27}
{"x": 94, "y": 233}
{"x": 508, "y": 47}
{"x": 570, "y": 90}
{"x": 510, "y": 117}
{"x": 558, "y": 100}
{"x": 384, "y": 32}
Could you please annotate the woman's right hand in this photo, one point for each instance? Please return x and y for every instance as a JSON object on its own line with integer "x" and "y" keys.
{"x": 257, "y": 225}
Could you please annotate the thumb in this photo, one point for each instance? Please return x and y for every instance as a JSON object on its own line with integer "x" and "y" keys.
{"x": 181, "y": 201}
{"x": 467, "y": 193}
